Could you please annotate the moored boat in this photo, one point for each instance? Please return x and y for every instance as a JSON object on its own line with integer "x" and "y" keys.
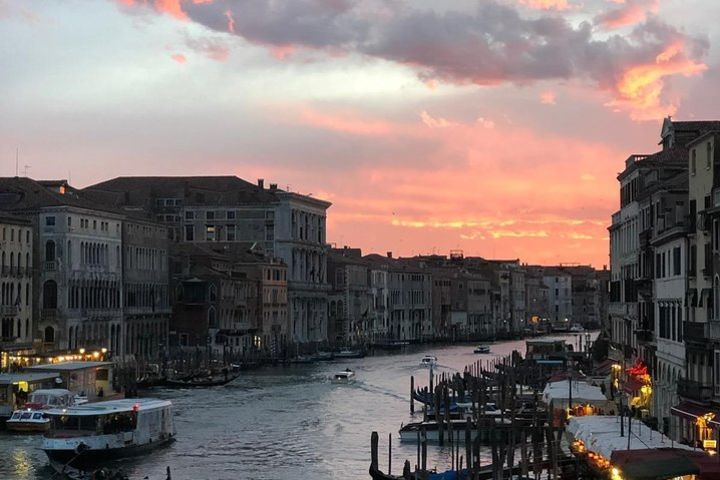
{"x": 30, "y": 418}
{"x": 95, "y": 432}
{"x": 27, "y": 421}
{"x": 482, "y": 349}
{"x": 344, "y": 377}
{"x": 350, "y": 354}
{"x": 199, "y": 382}
{"x": 323, "y": 356}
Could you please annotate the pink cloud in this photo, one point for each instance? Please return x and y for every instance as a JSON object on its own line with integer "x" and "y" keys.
{"x": 630, "y": 12}
{"x": 546, "y": 4}
{"x": 179, "y": 57}
{"x": 547, "y": 97}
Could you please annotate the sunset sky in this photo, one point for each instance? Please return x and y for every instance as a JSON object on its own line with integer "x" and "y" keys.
{"x": 495, "y": 126}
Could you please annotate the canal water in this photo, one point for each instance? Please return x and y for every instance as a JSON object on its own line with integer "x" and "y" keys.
{"x": 281, "y": 423}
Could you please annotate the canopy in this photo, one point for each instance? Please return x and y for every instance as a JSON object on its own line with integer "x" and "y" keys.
{"x": 654, "y": 464}
{"x": 558, "y": 394}
{"x": 601, "y": 434}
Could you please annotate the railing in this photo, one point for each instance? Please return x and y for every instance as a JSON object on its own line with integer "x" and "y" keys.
{"x": 8, "y": 310}
{"x": 692, "y": 390}
{"x": 50, "y": 266}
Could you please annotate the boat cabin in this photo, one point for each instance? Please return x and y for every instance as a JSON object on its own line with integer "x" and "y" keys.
{"x": 150, "y": 417}
{"x": 50, "y": 398}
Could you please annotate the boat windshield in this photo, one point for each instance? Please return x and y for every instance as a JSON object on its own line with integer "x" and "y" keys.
{"x": 83, "y": 425}
{"x": 37, "y": 416}
{"x": 16, "y": 415}
{"x": 25, "y": 416}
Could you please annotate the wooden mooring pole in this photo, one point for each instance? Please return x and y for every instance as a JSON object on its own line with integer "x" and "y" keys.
{"x": 412, "y": 395}
{"x": 374, "y": 450}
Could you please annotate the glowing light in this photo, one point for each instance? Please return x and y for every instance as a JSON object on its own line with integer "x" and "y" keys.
{"x": 82, "y": 351}
{"x": 104, "y": 350}
{"x": 96, "y": 354}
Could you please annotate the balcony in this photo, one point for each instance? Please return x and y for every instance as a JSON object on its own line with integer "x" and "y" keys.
{"x": 8, "y": 310}
{"x": 692, "y": 390}
{"x": 50, "y": 266}
{"x": 701, "y": 331}
{"x": 644, "y": 336}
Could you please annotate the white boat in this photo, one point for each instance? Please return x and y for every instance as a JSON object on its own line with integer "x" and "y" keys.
{"x": 30, "y": 418}
{"x": 98, "y": 431}
{"x": 577, "y": 329}
{"x": 482, "y": 349}
{"x": 346, "y": 376}
{"x": 428, "y": 361}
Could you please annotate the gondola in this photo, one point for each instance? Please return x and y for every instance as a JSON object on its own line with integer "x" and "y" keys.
{"x": 200, "y": 382}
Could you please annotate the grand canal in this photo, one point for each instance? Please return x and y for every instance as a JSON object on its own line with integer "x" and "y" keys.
{"x": 282, "y": 422}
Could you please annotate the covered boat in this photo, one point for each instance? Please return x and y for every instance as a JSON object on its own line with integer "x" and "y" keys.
{"x": 30, "y": 418}
{"x": 94, "y": 432}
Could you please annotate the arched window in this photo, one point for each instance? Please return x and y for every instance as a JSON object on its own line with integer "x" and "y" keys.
{"x": 69, "y": 253}
{"x": 212, "y": 317}
{"x": 213, "y": 293}
{"x": 27, "y": 264}
{"x": 12, "y": 261}
{"x": 50, "y": 251}
{"x": 50, "y": 294}
{"x": 49, "y": 335}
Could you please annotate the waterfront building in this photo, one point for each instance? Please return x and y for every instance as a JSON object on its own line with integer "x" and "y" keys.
{"x": 664, "y": 243}
{"x": 227, "y": 209}
{"x": 560, "y": 290}
{"x": 351, "y": 303}
{"x": 409, "y": 298}
{"x": 536, "y": 299}
{"x": 16, "y": 309}
{"x": 380, "y": 298}
{"x": 77, "y": 257}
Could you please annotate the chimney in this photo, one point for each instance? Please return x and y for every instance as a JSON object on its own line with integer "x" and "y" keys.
{"x": 261, "y": 183}
{"x": 273, "y": 186}
{"x": 389, "y": 254}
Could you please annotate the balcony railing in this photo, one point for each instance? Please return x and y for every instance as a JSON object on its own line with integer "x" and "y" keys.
{"x": 693, "y": 390}
{"x": 50, "y": 266}
{"x": 8, "y": 310}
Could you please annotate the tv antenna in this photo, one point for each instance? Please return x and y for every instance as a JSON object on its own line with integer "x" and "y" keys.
{"x": 25, "y": 170}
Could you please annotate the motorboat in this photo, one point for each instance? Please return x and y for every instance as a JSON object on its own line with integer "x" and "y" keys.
{"x": 428, "y": 361}
{"x": 30, "y": 418}
{"x": 95, "y": 432}
{"x": 346, "y": 376}
{"x": 576, "y": 329}
{"x": 28, "y": 421}
{"x": 482, "y": 349}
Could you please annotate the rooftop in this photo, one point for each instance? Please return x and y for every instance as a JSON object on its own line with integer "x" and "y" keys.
{"x": 66, "y": 366}
{"x": 30, "y": 377}
{"x": 112, "y": 406}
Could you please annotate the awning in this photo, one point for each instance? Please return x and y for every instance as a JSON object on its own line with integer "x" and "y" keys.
{"x": 658, "y": 463}
{"x": 632, "y": 385}
{"x": 604, "y": 368}
{"x": 691, "y": 411}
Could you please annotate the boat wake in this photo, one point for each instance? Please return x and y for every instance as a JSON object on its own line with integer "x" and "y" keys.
{"x": 377, "y": 390}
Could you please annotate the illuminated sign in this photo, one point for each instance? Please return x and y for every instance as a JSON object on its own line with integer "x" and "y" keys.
{"x": 709, "y": 443}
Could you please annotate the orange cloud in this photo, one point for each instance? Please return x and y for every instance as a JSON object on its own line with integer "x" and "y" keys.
{"x": 630, "y": 13}
{"x": 641, "y": 86}
{"x": 497, "y": 192}
{"x": 546, "y": 4}
{"x": 179, "y": 58}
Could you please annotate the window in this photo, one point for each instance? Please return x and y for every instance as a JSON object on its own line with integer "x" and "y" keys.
{"x": 231, "y": 214}
{"x": 693, "y": 158}
{"x": 94, "y": 224}
{"x": 209, "y": 233}
{"x": 189, "y": 233}
{"x": 50, "y": 251}
{"x": 676, "y": 261}
{"x": 189, "y": 215}
{"x": 230, "y": 229}
{"x": 50, "y": 221}
{"x": 708, "y": 160}
{"x": 210, "y": 215}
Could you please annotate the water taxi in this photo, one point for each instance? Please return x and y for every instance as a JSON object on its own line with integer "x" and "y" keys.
{"x": 428, "y": 361}
{"x": 346, "y": 376}
{"x": 30, "y": 418}
{"x": 99, "y": 431}
{"x": 482, "y": 349}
